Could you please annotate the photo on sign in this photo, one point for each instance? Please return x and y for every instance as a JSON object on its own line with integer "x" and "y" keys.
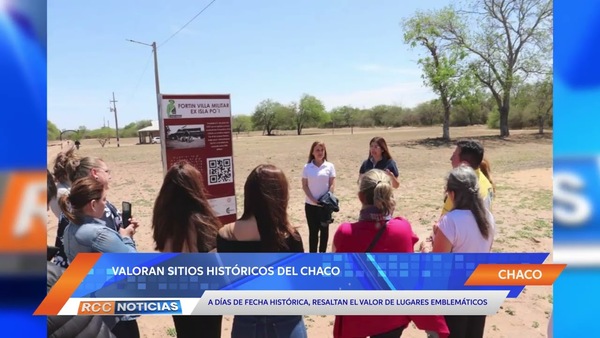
{"x": 185, "y": 136}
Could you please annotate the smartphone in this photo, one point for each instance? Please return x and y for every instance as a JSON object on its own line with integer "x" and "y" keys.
{"x": 126, "y": 208}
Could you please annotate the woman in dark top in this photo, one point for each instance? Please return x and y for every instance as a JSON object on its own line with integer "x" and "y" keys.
{"x": 380, "y": 158}
{"x": 184, "y": 221}
{"x": 264, "y": 227}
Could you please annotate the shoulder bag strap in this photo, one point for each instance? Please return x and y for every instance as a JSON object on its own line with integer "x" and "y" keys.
{"x": 377, "y": 236}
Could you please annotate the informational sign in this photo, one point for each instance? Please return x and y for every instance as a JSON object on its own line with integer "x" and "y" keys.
{"x": 197, "y": 128}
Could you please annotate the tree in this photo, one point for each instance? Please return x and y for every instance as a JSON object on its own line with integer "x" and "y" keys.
{"x": 131, "y": 129}
{"x": 443, "y": 68}
{"x": 265, "y": 116}
{"x": 52, "y": 131}
{"x": 533, "y": 101}
{"x": 285, "y": 115}
{"x": 511, "y": 40}
{"x": 310, "y": 109}
{"x": 350, "y": 114}
{"x": 393, "y": 116}
{"x": 428, "y": 113}
{"x": 470, "y": 109}
{"x": 82, "y": 131}
{"x": 242, "y": 123}
{"x": 544, "y": 102}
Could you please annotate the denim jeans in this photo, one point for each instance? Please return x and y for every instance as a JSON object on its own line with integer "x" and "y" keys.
{"x": 268, "y": 327}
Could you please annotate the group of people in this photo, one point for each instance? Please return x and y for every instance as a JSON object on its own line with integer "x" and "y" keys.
{"x": 183, "y": 221}
{"x": 87, "y": 222}
{"x": 466, "y": 225}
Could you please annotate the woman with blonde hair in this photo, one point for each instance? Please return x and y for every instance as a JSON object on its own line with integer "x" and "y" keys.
{"x": 77, "y": 167}
{"x": 64, "y": 164}
{"x": 378, "y": 231}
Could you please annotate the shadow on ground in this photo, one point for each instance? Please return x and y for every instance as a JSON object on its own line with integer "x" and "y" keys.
{"x": 489, "y": 141}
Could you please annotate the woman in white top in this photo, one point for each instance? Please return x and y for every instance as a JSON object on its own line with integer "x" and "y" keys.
{"x": 318, "y": 178}
{"x": 469, "y": 227}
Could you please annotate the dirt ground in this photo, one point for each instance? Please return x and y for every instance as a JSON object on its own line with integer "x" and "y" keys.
{"x": 522, "y": 171}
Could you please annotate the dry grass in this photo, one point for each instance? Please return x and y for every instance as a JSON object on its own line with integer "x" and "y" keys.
{"x": 522, "y": 170}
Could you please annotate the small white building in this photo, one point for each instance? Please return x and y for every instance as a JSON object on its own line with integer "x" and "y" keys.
{"x": 146, "y": 134}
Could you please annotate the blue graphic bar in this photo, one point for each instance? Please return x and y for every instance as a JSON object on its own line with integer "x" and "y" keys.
{"x": 189, "y": 275}
{"x": 576, "y": 176}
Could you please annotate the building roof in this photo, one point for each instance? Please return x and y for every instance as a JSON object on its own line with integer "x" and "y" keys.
{"x": 153, "y": 127}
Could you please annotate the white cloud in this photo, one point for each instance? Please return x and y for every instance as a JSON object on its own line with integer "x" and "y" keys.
{"x": 406, "y": 94}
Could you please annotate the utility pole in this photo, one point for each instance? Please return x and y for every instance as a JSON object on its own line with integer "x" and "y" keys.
{"x": 156, "y": 81}
{"x": 114, "y": 109}
{"x": 157, "y": 85}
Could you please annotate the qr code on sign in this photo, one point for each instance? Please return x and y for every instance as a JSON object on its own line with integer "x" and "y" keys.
{"x": 219, "y": 170}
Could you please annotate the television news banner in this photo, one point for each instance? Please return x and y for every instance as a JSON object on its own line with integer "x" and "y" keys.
{"x": 197, "y": 128}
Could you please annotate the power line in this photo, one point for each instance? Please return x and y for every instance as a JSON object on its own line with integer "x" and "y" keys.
{"x": 140, "y": 78}
{"x": 180, "y": 29}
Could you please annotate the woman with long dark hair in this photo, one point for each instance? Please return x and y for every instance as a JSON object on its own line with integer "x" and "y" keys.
{"x": 264, "y": 227}
{"x": 184, "y": 221}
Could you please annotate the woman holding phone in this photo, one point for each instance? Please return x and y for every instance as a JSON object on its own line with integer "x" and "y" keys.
{"x": 87, "y": 232}
{"x": 75, "y": 168}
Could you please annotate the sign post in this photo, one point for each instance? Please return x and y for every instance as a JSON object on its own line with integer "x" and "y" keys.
{"x": 197, "y": 128}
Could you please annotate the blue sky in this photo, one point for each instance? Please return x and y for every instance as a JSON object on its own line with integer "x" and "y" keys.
{"x": 343, "y": 52}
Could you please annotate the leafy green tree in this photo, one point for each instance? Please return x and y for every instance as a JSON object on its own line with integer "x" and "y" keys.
{"x": 470, "y": 109}
{"x": 543, "y": 103}
{"x": 533, "y": 105}
{"x": 265, "y": 116}
{"x": 242, "y": 123}
{"x": 428, "y": 113}
{"x": 52, "y": 131}
{"x": 310, "y": 109}
{"x": 509, "y": 40}
{"x": 336, "y": 116}
{"x": 131, "y": 129}
{"x": 392, "y": 116}
{"x": 83, "y": 131}
{"x": 285, "y": 116}
{"x": 444, "y": 69}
